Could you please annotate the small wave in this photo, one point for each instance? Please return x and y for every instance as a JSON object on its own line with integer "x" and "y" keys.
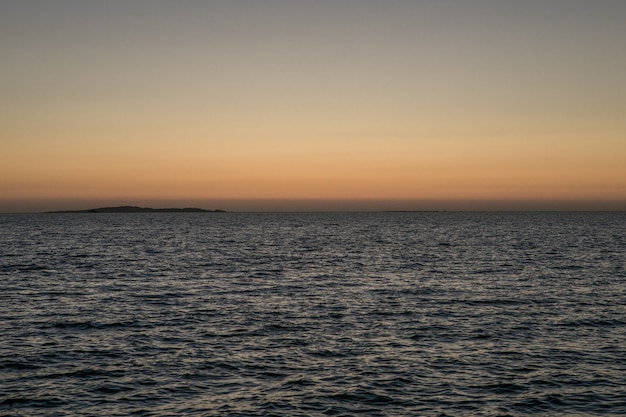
{"x": 299, "y": 381}
{"x": 567, "y": 267}
{"x": 33, "y": 402}
{"x": 278, "y": 328}
{"x": 23, "y": 268}
{"x": 112, "y": 388}
{"x": 90, "y": 325}
{"x": 91, "y": 372}
{"x": 332, "y": 353}
{"x": 594, "y": 323}
{"x": 266, "y": 273}
{"x": 11, "y": 365}
{"x": 496, "y": 302}
{"x": 365, "y": 397}
{"x": 503, "y": 388}
{"x": 539, "y": 404}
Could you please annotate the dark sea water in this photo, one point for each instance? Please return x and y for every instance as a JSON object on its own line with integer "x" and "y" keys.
{"x": 334, "y": 314}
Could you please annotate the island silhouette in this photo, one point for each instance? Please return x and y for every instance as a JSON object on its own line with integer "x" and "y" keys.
{"x": 135, "y": 209}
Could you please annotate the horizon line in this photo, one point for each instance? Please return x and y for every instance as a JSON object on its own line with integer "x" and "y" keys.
{"x": 300, "y": 205}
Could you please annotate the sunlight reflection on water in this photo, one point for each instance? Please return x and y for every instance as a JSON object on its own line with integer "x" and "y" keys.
{"x": 313, "y": 314}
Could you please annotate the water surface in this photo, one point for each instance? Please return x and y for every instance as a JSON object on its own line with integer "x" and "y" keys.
{"x": 379, "y": 314}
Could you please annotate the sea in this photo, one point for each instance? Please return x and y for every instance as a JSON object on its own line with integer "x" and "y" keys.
{"x": 313, "y": 314}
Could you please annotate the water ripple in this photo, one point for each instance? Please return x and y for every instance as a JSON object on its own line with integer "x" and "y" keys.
{"x": 336, "y": 314}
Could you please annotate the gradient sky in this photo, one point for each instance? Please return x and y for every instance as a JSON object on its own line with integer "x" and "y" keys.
{"x": 418, "y": 103}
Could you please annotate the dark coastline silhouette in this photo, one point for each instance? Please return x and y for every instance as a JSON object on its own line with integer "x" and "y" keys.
{"x": 134, "y": 209}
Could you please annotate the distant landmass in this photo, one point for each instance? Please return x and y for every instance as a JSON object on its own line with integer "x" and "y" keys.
{"x": 134, "y": 209}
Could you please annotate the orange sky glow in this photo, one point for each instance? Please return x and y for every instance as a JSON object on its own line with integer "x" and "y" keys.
{"x": 332, "y": 105}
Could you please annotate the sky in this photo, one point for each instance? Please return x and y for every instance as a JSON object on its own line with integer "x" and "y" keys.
{"x": 313, "y": 105}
